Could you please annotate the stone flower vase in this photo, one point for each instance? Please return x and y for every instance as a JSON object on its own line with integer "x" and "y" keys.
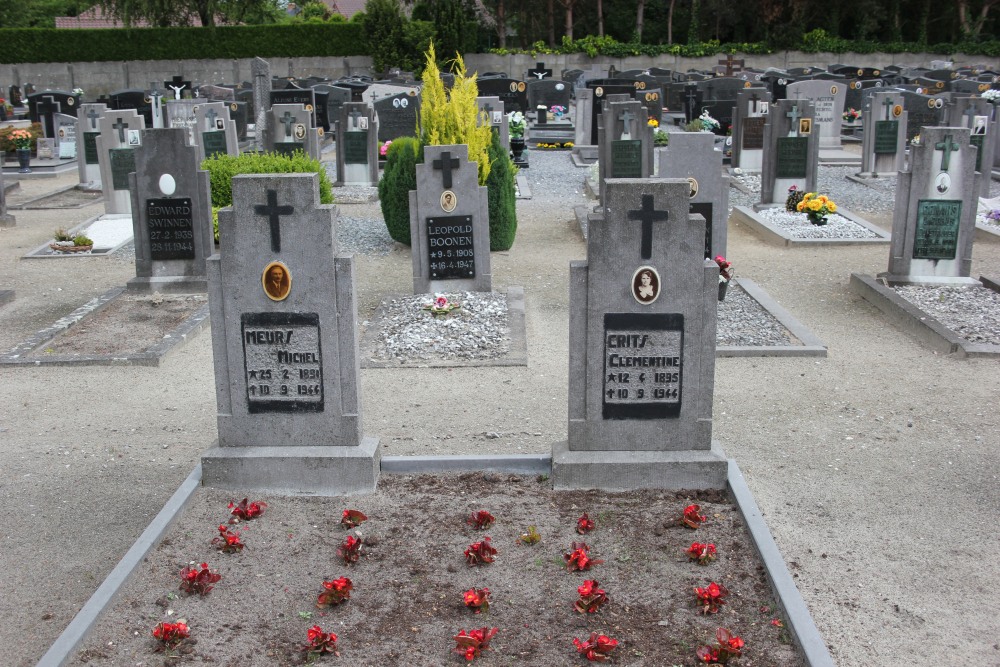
{"x": 517, "y": 147}
{"x": 24, "y": 160}
{"x": 723, "y": 286}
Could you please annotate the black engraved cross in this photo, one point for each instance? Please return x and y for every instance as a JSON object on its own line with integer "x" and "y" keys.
{"x": 753, "y": 102}
{"x": 212, "y": 114}
{"x": 692, "y": 100}
{"x": 446, "y": 164}
{"x": 947, "y": 146}
{"x": 287, "y": 121}
{"x": 93, "y": 116}
{"x": 626, "y": 117}
{"x": 647, "y": 215}
{"x": 355, "y": 114}
{"x": 970, "y": 111}
{"x": 120, "y": 125}
{"x": 273, "y": 213}
{"x": 794, "y": 115}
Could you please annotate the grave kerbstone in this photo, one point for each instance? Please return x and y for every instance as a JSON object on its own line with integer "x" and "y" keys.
{"x": 752, "y": 105}
{"x": 791, "y": 152}
{"x": 120, "y": 136}
{"x": 284, "y": 341}
{"x": 214, "y": 131}
{"x": 449, "y": 224}
{"x": 642, "y": 347}
{"x": 693, "y": 157}
{"x": 357, "y": 145}
{"x": 934, "y": 219}
{"x": 88, "y": 130}
{"x": 171, "y": 214}
{"x": 289, "y": 128}
{"x": 6, "y": 219}
{"x": 883, "y": 146}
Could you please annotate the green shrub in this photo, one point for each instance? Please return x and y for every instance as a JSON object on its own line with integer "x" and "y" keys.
{"x": 501, "y": 196}
{"x": 222, "y": 168}
{"x": 398, "y": 178}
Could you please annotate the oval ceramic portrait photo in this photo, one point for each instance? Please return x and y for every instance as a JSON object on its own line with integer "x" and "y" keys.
{"x": 645, "y": 285}
{"x": 276, "y": 281}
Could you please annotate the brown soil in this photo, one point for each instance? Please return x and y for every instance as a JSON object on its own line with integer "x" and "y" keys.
{"x": 407, "y": 600}
{"x": 71, "y": 198}
{"x": 127, "y": 325}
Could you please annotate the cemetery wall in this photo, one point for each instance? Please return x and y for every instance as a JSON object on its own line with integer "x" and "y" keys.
{"x": 100, "y": 78}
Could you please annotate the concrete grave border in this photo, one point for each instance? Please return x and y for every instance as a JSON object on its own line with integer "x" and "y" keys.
{"x": 185, "y": 331}
{"x": 801, "y": 626}
{"x": 775, "y": 236}
{"x": 918, "y": 323}
{"x": 43, "y": 251}
{"x": 516, "y": 356}
{"x": 984, "y": 232}
{"x": 31, "y": 203}
{"x": 811, "y": 345}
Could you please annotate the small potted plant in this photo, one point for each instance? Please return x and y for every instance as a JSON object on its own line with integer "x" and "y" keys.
{"x": 852, "y": 115}
{"x": 64, "y": 242}
{"x": 22, "y": 139}
{"x": 816, "y": 207}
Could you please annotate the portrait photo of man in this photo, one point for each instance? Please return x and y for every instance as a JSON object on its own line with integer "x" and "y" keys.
{"x": 277, "y": 281}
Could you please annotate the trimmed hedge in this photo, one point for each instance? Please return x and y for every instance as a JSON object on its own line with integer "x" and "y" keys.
{"x": 222, "y": 168}
{"x": 501, "y": 197}
{"x": 37, "y": 45}
{"x": 398, "y": 178}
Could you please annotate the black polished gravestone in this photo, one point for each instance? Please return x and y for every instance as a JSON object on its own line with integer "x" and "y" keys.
{"x": 171, "y": 228}
{"x": 539, "y": 72}
{"x": 922, "y": 111}
{"x": 450, "y": 247}
{"x": 601, "y": 92}
{"x": 238, "y": 111}
{"x": 512, "y": 92}
{"x": 397, "y": 116}
{"x": 138, "y": 100}
{"x": 42, "y": 106}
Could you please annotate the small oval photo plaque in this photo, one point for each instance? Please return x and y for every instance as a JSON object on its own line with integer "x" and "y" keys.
{"x": 276, "y": 281}
{"x": 646, "y": 285}
{"x": 448, "y": 201}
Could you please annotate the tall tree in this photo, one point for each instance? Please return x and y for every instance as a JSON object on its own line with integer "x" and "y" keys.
{"x": 569, "y": 5}
{"x": 166, "y": 13}
{"x": 600, "y": 18}
{"x": 551, "y": 18}
{"x": 970, "y": 21}
{"x": 639, "y": 9}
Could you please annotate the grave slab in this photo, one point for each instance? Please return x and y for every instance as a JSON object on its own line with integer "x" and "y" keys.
{"x": 777, "y": 236}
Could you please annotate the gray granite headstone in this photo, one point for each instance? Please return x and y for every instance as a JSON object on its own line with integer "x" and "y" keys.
{"x": 828, "y": 106}
{"x": 494, "y": 110}
{"x": 583, "y": 116}
{"x": 215, "y": 131}
{"x": 693, "y": 157}
{"x": 260, "y": 71}
{"x": 181, "y": 114}
{"x": 934, "y": 219}
{"x": 883, "y": 146}
{"x": 752, "y": 106}
{"x": 284, "y": 342}
{"x": 976, "y": 114}
{"x": 642, "y": 334}
{"x": 6, "y": 219}
{"x": 357, "y": 145}
{"x": 625, "y": 148}
{"x": 88, "y": 130}
{"x": 120, "y": 136}
{"x": 171, "y": 214}
{"x": 449, "y": 224}
{"x": 65, "y": 136}
{"x": 791, "y": 151}
{"x": 290, "y": 128}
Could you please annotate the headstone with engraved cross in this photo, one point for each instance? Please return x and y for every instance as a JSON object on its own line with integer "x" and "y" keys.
{"x": 625, "y": 147}
{"x": 976, "y": 114}
{"x": 181, "y": 114}
{"x": 791, "y": 152}
{"x": 87, "y": 132}
{"x": 171, "y": 214}
{"x": 752, "y": 105}
{"x": 215, "y": 131}
{"x": 493, "y": 109}
{"x": 828, "y": 106}
{"x": 934, "y": 219}
{"x": 357, "y": 145}
{"x": 284, "y": 342}
{"x": 883, "y": 146}
{"x": 642, "y": 330}
{"x": 290, "y": 128}
{"x": 120, "y": 136}
{"x": 692, "y": 156}
{"x": 449, "y": 224}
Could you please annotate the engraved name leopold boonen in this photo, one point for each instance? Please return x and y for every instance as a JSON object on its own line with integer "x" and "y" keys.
{"x": 283, "y": 362}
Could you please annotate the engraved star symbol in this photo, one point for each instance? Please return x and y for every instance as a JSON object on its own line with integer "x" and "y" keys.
{"x": 253, "y": 375}
{"x": 611, "y": 377}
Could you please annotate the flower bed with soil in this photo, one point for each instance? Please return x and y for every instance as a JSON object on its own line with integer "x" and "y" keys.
{"x": 411, "y": 582}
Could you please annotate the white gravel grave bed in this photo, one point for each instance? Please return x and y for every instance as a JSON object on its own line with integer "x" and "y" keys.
{"x": 742, "y": 322}
{"x": 971, "y": 312}
{"x": 797, "y": 225}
